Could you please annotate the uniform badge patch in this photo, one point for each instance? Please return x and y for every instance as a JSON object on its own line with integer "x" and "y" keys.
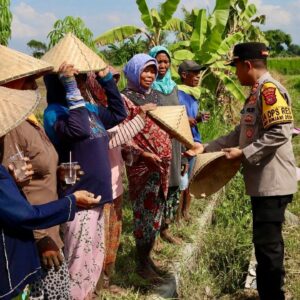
{"x": 252, "y": 99}
{"x": 269, "y": 95}
{"x": 254, "y": 88}
{"x": 249, "y": 119}
{"x": 249, "y": 133}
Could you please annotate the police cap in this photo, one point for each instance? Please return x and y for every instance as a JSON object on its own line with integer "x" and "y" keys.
{"x": 247, "y": 51}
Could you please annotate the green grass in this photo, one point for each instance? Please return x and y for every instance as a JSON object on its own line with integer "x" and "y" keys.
{"x": 285, "y": 65}
{"x": 292, "y": 233}
{"x": 226, "y": 248}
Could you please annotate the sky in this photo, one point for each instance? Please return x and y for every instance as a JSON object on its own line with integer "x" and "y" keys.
{"x": 33, "y": 19}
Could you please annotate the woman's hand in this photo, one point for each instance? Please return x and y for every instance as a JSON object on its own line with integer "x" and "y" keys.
{"x": 145, "y": 108}
{"x": 197, "y": 148}
{"x": 152, "y": 159}
{"x": 85, "y": 199}
{"x": 67, "y": 70}
{"x": 49, "y": 253}
{"x": 102, "y": 73}
{"x": 28, "y": 173}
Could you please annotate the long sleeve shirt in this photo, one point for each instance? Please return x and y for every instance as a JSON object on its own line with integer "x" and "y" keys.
{"x": 192, "y": 108}
{"x": 19, "y": 261}
{"x": 81, "y": 130}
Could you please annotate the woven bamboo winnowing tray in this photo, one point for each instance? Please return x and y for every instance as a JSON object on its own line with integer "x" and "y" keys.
{"x": 174, "y": 120}
{"x": 211, "y": 172}
{"x": 72, "y": 50}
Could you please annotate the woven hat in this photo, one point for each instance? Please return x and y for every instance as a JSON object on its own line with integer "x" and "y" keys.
{"x": 211, "y": 172}
{"x": 72, "y": 50}
{"x": 174, "y": 120}
{"x": 15, "y": 65}
{"x": 15, "y": 107}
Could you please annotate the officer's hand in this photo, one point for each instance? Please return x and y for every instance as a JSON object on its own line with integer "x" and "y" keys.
{"x": 233, "y": 153}
{"x": 195, "y": 150}
{"x": 49, "y": 253}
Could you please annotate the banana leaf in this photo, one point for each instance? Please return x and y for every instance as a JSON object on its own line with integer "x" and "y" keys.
{"x": 156, "y": 20}
{"x": 220, "y": 15}
{"x": 183, "y": 54}
{"x": 199, "y": 33}
{"x": 117, "y": 34}
{"x": 181, "y": 44}
{"x": 229, "y": 42}
{"x": 176, "y": 24}
{"x": 167, "y": 9}
{"x": 217, "y": 24}
{"x": 231, "y": 86}
{"x": 145, "y": 13}
{"x": 249, "y": 11}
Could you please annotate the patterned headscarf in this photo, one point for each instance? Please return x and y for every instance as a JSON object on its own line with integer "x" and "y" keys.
{"x": 97, "y": 92}
{"x": 164, "y": 85}
{"x": 134, "y": 69}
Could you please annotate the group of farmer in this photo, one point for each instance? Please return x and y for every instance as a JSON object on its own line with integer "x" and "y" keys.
{"x": 66, "y": 252}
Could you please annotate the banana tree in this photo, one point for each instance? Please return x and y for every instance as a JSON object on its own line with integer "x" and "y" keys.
{"x": 156, "y": 21}
{"x": 211, "y": 40}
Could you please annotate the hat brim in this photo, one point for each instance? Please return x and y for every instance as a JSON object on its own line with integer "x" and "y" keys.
{"x": 231, "y": 63}
{"x": 15, "y": 107}
{"x": 15, "y": 65}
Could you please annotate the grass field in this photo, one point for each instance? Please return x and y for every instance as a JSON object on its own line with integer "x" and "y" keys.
{"x": 292, "y": 233}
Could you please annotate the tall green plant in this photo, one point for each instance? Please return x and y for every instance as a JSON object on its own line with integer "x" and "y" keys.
{"x": 74, "y": 25}
{"x": 38, "y": 48}
{"x": 156, "y": 22}
{"x": 119, "y": 54}
{"x": 5, "y": 22}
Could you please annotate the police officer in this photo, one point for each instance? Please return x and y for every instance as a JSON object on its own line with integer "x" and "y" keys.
{"x": 262, "y": 141}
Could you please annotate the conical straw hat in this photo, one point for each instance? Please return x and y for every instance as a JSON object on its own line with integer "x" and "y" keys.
{"x": 72, "y": 50}
{"x": 211, "y": 172}
{"x": 15, "y": 107}
{"x": 174, "y": 120}
{"x": 15, "y": 65}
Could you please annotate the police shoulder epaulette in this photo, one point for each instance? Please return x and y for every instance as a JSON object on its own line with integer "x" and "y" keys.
{"x": 275, "y": 109}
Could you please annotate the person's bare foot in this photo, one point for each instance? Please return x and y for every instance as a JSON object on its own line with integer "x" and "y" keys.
{"x": 168, "y": 237}
{"x": 117, "y": 290}
{"x": 158, "y": 245}
{"x": 146, "y": 272}
{"x": 186, "y": 216}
